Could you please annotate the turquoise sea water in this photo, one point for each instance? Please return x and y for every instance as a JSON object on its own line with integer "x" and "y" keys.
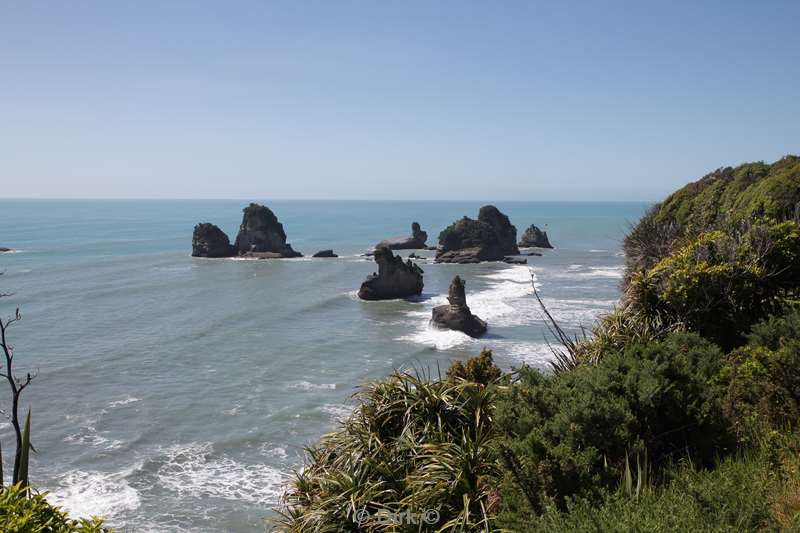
{"x": 176, "y": 394}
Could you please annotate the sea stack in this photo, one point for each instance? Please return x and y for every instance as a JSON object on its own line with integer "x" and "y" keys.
{"x": 491, "y": 237}
{"x": 456, "y": 315}
{"x": 210, "y": 241}
{"x": 416, "y": 241}
{"x": 534, "y": 238}
{"x": 261, "y": 235}
{"x": 325, "y": 253}
{"x": 394, "y": 279}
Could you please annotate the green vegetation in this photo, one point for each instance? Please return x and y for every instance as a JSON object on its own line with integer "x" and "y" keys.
{"x": 412, "y": 444}
{"x": 25, "y": 512}
{"x": 680, "y": 412}
{"x": 720, "y": 200}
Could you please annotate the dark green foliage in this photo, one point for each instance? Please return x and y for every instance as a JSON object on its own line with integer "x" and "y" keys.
{"x": 569, "y": 435}
{"x": 412, "y": 444}
{"x": 762, "y": 379}
{"x": 720, "y": 283}
{"x": 776, "y": 330}
{"x": 479, "y": 369}
{"x": 24, "y": 513}
{"x": 725, "y": 197}
{"x": 24, "y": 455}
{"x": 734, "y": 497}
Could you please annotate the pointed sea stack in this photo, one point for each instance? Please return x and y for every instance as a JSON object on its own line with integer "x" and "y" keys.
{"x": 261, "y": 235}
{"x": 210, "y": 241}
{"x": 394, "y": 279}
{"x": 457, "y": 315}
{"x": 534, "y": 238}
{"x": 491, "y": 237}
{"x": 415, "y": 242}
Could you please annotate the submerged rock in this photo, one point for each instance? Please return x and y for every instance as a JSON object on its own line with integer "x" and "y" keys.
{"x": 325, "y": 253}
{"x": 394, "y": 279}
{"x": 456, "y": 315}
{"x": 489, "y": 238}
{"x": 414, "y": 242}
{"x": 515, "y": 260}
{"x": 534, "y": 238}
{"x": 210, "y": 241}
{"x": 261, "y": 233}
{"x": 3, "y": 249}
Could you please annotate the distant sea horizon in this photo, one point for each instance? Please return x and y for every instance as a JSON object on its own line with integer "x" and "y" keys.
{"x": 177, "y": 393}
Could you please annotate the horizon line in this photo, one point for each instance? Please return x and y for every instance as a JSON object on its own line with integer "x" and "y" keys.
{"x": 242, "y": 199}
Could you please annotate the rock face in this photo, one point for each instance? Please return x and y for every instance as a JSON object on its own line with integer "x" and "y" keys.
{"x": 534, "y": 238}
{"x": 210, "y": 241}
{"x": 489, "y": 238}
{"x": 325, "y": 253}
{"x": 261, "y": 233}
{"x": 457, "y": 315}
{"x": 395, "y": 278}
{"x": 415, "y": 242}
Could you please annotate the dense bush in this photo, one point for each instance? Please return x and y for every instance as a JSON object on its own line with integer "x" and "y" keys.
{"x": 480, "y": 370}
{"x": 20, "y": 513}
{"x": 413, "y": 444}
{"x": 741, "y": 494}
{"x": 721, "y": 283}
{"x": 762, "y": 379}
{"x": 570, "y": 434}
{"x": 725, "y": 197}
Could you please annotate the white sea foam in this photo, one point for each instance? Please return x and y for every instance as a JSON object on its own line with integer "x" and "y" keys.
{"x": 90, "y": 437}
{"x": 268, "y": 451}
{"x": 88, "y": 434}
{"x": 337, "y": 411}
{"x": 504, "y": 302}
{"x": 306, "y": 385}
{"x": 126, "y": 401}
{"x": 95, "y": 493}
{"x": 195, "y": 470}
{"x": 441, "y": 339}
{"x": 605, "y": 272}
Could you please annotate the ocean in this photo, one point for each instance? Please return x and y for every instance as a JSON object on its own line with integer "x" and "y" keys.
{"x": 176, "y": 393}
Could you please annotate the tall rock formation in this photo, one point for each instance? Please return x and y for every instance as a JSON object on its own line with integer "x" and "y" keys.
{"x": 394, "y": 279}
{"x": 457, "y": 315}
{"x": 491, "y": 237}
{"x": 210, "y": 241}
{"x": 534, "y": 238}
{"x": 414, "y": 242}
{"x": 262, "y": 235}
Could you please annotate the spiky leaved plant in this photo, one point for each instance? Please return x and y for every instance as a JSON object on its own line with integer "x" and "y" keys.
{"x": 417, "y": 454}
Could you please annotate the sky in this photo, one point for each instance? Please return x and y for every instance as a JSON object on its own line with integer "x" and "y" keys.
{"x": 391, "y": 100}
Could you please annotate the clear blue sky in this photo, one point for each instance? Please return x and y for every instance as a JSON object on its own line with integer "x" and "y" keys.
{"x": 391, "y": 100}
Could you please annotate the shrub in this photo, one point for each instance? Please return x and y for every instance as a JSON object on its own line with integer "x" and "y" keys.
{"x": 762, "y": 379}
{"x": 20, "y": 513}
{"x": 718, "y": 201}
{"x": 719, "y": 284}
{"x": 570, "y": 434}
{"x": 413, "y": 444}
{"x": 741, "y": 494}
{"x": 481, "y": 370}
